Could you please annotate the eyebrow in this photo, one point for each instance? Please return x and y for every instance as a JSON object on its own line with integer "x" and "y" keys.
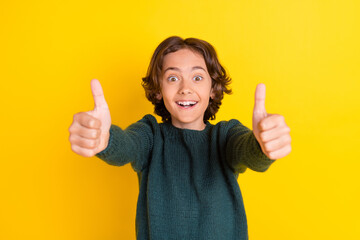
{"x": 178, "y": 69}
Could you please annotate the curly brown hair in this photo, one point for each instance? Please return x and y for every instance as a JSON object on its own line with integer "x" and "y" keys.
{"x": 219, "y": 77}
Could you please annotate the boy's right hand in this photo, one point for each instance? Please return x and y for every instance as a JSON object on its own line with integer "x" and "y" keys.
{"x": 89, "y": 131}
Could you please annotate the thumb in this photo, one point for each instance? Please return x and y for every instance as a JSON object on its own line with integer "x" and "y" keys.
{"x": 98, "y": 95}
{"x": 259, "y": 106}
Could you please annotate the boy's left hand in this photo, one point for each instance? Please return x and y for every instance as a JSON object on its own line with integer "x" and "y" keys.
{"x": 270, "y": 130}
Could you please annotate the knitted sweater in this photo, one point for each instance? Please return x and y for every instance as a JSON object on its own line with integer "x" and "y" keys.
{"x": 188, "y": 185}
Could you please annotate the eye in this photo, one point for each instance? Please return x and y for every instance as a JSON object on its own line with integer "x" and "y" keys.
{"x": 172, "y": 79}
{"x": 198, "y": 78}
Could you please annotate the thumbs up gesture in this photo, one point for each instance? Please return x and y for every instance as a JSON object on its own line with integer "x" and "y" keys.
{"x": 270, "y": 130}
{"x": 89, "y": 131}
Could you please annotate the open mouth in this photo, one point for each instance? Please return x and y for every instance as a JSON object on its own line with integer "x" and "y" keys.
{"x": 186, "y": 104}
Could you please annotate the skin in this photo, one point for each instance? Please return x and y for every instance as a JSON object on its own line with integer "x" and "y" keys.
{"x": 89, "y": 131}
{"x": 270, "y": 130}
{"x": 185, "y": 77}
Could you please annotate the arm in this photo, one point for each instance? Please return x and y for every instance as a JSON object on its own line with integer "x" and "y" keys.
{"x": 243, "y": 151}
{"x": 258, "y": 149}
{"x": 132, "y": 145}
{"x": 91, "y": 133}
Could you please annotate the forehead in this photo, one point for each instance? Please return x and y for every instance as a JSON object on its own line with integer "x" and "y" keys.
{"x": 183, "y": 58}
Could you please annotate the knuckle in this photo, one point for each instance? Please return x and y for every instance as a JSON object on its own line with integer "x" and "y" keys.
{"x": 96, "y": 144}
{"x": 71, "y": 138}
{"x": 80, "y": 118}
{"x": 95, "y": 133}
{"x": 97, "y": 123}
{"x": 287, "y": 129}
{"x": 72, "y": 128}
{"x": 92, "y": 144}
{"x": 263, "y": 136}
{"x": 92, "y": 153}
{"x": 267, "y": 147}
{"x": 290, "y": 148}
{"x": 73, "y": 148}
{"x": 81, "y": 142}
{"x": 91, "y": 123}
{"x": 89, "y": 153}
{"x": 85, "y": 143}
{"x": 92, "y": 134}
{"x": 271, "y": 155}
{"x": 76, "y": 116}
{"x": 85, "y": 119}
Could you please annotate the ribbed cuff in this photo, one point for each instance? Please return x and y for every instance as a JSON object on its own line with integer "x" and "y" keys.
{"x": 109, "y": 149}
{"x": 262, "y": 162}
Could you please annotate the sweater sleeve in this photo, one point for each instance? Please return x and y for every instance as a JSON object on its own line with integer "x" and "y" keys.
{"x": 132, "y": 145}
{"x": 243, "y": 151}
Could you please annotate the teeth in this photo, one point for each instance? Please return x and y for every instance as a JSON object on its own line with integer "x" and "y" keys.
{"x": 186, "y": 103}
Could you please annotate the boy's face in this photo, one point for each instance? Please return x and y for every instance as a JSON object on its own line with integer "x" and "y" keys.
{"x": 186, "y": 88}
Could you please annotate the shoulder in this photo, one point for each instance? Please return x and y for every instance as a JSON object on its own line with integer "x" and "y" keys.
{"x": 231, "y": 127}
{"x": 148, "y": 119}
{"x": 227, "y": 124}
{"x": 148, "y": 124}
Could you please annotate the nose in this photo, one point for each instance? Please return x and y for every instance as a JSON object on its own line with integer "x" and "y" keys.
{"x": 185, "y": 87}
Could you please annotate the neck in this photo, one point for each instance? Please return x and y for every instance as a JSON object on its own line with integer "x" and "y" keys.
{"x": 192, "y": 126}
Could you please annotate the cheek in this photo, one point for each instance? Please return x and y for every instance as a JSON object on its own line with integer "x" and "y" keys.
{"x": 169, "y": 91}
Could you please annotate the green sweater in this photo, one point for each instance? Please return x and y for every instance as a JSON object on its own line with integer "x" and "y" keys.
{"x": 188, "y": 185}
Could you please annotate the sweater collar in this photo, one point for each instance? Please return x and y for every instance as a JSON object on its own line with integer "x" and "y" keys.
{"x": 187, "y": 134}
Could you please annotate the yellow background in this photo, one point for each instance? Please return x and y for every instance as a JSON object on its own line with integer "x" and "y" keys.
{"x": 306, "y": 52}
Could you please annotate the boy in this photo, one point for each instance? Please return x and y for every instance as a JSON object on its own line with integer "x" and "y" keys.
{"x": 187, "y": 168}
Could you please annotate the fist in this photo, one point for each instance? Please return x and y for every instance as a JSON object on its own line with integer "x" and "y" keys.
{"x": 89, "y": 131}
{"x": 270, "y": 130}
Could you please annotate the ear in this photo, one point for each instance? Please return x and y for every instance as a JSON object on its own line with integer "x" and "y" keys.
{"x": 159, "y": 96}
{"x": 212, "y": 94}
